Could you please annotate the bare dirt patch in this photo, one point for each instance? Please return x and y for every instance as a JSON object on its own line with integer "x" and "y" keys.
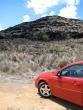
{"x": 25, "y": 97}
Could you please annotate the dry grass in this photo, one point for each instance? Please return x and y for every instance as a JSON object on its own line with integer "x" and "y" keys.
{"x": 21, "y": 56}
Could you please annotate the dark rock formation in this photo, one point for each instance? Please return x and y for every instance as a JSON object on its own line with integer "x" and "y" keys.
{"x": 46, "y": 28}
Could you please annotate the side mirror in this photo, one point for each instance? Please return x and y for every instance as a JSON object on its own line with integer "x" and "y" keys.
{"x": 59, "y": 74}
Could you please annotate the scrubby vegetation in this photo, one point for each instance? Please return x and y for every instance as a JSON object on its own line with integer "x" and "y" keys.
{"x": 45, "y": 29}
{"x": 42, "y": 45}
{"x": 20, "y": 56}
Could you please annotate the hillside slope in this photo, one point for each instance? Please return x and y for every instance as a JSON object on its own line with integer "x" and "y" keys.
{"x": 46, "y": 28}
{"x": 28, "y": 49}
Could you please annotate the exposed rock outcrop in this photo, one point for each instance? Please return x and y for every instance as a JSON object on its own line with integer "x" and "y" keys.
{"x": 46, "y": 28}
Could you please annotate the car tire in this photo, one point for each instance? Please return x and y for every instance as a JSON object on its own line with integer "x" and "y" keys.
{"x": 44, "y": 90}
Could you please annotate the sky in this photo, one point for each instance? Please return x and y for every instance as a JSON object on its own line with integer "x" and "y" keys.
{"x": 13, "y": 12}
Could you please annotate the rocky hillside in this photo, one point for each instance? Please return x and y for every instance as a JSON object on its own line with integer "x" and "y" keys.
{"x": 46, "y": 28}
{"x": 28, "y": 49}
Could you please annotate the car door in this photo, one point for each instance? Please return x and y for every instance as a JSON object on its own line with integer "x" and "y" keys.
{"x": 69, "y": 86}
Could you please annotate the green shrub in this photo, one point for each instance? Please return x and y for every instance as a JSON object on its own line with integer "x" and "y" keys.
{"x": 43, "y": 37}
{"x": 62, "y": 63}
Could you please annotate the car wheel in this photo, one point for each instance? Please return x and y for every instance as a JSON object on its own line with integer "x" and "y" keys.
{"x": 44, "y": 90}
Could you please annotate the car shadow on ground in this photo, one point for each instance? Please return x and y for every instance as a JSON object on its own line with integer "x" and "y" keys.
{"x": 66, "y": 104}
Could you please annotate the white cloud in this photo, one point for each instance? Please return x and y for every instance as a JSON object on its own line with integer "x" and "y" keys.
{"x": 52, "y": 13}
{"x": 43, "y": 15}
{"x": 26, "y": 18}
{"x": 41, "y": 6}
{"x": 1, "y": 27}
{"x": 72, "y": 2}
{"x": 69, "y": 12}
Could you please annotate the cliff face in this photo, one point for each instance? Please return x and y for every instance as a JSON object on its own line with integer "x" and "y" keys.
{"x": 46, "y": 28}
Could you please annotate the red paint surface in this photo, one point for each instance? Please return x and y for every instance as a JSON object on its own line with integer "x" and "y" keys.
{"x": 68, "y": 88}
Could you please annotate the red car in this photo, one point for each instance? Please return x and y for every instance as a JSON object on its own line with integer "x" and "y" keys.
{"x": 65, "y": 83}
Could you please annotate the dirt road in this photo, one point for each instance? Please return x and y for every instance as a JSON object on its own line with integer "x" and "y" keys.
{"x": 25, "y": 97}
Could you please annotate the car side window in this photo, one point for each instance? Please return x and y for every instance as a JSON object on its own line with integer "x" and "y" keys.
{"x": 73, "y": 71}
{"x": 80, "y": 73}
